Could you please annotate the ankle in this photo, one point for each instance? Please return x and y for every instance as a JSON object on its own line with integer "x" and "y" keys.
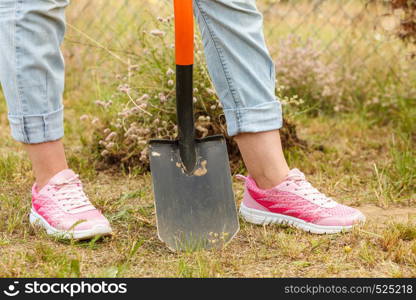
{"x": 40, "y": 185}
{"x": 268, "y": 181}
{"x": 42, "y": 182}
{"x": 43, "y": 179}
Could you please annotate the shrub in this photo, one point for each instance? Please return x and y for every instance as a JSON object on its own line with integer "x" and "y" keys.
{"x": 142, "y": 106}
{"x": 302, "y": 70}
{"x": 353, "y": 81}
{"x": 407, "y": 30}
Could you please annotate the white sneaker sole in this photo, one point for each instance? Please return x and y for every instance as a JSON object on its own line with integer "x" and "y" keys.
{"x": 259, "y": 217}
{"x": 36, "y": 219}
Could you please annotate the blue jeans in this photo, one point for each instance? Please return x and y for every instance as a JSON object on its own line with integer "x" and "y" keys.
{"x": 32, "y": 66}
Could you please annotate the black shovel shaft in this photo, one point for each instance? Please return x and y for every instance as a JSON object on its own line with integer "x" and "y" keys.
{"x": 184, "y": 45}
{"x": 185, "y": 114}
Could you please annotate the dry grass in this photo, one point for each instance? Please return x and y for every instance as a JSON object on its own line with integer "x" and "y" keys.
{"x": 352, "y": 157}
{"x": 385, "y": 246}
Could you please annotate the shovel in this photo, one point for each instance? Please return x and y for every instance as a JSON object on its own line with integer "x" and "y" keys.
{"x": 192, "y": 185}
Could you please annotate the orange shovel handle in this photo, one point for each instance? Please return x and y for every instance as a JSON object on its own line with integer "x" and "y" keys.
{"x": 184, "y": 32}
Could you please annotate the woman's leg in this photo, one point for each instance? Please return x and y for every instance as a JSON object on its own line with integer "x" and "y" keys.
{"x": 32, "y": 78}
{"x": 47, "y": 160}
{"x": 244, "y": 76}
{"x": 263, "y": 156}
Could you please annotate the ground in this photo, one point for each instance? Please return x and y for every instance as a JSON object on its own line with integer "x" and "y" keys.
{"x": 385, "y": 246}
{"x": 363, "y": 157}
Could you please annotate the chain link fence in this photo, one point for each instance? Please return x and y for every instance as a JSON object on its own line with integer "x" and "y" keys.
{"x": 359, "y": 37}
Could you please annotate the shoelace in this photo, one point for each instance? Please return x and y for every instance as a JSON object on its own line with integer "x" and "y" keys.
{"x": 71, "y": 196}
{"x": 308, "y": 190}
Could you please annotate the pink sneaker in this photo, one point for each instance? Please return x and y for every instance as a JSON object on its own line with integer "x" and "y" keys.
{"x": 63, "y": 209}
{"x": 296, "y": 202}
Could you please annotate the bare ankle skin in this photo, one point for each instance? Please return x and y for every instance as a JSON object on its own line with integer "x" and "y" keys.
{"x": 263, "y": 156}
{"x": 47, "y": 159}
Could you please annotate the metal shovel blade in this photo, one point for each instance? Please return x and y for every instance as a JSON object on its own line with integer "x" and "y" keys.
{"x": 198, "y": 210}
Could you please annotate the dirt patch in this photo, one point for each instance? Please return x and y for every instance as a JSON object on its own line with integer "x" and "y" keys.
{"x": 402, "y": 214}
{"x": 202, "y": 170}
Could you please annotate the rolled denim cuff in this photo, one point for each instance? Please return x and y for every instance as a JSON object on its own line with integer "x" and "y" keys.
{"x": 36, "y": 129}
{"x": 260, "y": 118}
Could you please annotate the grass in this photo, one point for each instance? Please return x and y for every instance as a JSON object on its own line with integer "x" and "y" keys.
{"x": 364, "y": 157}
{"x": 385, "y": 246}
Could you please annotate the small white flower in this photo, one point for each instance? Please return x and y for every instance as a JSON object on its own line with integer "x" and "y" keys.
{"x": 143, "y": 98}
{"x": 162, "y": 97}
{"x": 157, "y": 32}
{"x": 210, "y": 91}
{"x": 110, "y": 145}
{"x": 84, "y": 117}
{"x": 111, "y": 136}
